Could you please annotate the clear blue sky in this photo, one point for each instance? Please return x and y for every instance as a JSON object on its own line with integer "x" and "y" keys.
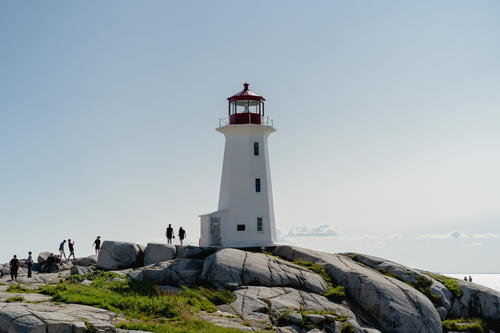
{"x": 388, "y": 118}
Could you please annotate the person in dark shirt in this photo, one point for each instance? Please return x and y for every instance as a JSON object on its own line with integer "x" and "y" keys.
{"x": 182, "y": 235}
{"x": 71, "y": 246}
{"x": 169, "y": 234}
{"x": 51, "y": 260}
{"x": 97, "y": 244}
{"x": 61, "y": 250}
{"x": 14, "y": 267}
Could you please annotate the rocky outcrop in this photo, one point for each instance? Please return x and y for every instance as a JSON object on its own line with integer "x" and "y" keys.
{"x": 158, "y": 252}
{"x": 289, "y": 307}
{"x": 80, "y": 270}
{"x": 390, "y": 304}
{"x": 117, "y": 255}
{"x": 42, "y": 257}
{"x": 178, "y": 272}
{"x": 86, "y": 261}
{"x": 5, "y": 270}
{"x": 48, "y": 317}
{"x": 433, "y": 289}
{"x": 381, "y": 295}
{"x": 231, "y": 268}
{"x": 476, "y": 302}
{"x": 194, "y": 252}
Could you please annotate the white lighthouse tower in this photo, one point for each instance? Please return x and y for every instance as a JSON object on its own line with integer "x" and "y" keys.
{"x": 245, "y": 217}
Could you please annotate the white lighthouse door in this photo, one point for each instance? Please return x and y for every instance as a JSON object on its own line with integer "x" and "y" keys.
{"x": 215, "y": 239}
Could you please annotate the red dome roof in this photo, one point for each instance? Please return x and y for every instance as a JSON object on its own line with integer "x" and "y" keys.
{"x": 246, "y": 94}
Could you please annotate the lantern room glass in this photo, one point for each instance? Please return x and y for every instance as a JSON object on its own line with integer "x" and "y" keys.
{"x": 245, "y": 106}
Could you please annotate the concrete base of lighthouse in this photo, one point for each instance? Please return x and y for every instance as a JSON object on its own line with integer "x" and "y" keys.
{"x": 215, "y": 229}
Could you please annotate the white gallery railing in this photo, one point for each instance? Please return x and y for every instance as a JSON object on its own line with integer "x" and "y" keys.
{"x": 265, "y": 121}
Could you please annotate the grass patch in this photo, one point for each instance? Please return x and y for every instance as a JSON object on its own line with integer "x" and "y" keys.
{"x": 193, "y": 326}
{"x": 465, "y": 325}
{"x": 17, "y": 288}
{"x": 157, "y": 311}
{"x": 353, "y": 256}
{"x": 335, "y": 291}
{"x": 14, "y": 299}
{"x": 347, "y": 328}
{"x": 96, "y": 275}
{"x": 217, "y": 297}
{"x": 450, "y": 283}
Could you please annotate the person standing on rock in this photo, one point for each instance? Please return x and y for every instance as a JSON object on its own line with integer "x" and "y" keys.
{"x": 29, "y": 264}
{"x": 169, "y": 234}
{"x": 182, "y": 235}
{"x": 470, "y": 278}
{"x": 71, "y": 246}
{"x": 14, "y": 267}
{"x": 97, "y": 244}
{"x": 61, "y": 250}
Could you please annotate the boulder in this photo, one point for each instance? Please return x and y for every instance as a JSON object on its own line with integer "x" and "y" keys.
{"x": 194, "y": 252}
{"x": 51, "y": 318}
{"x": 80, "y": 270}
{"x": 178, "y": 272}
{"x": 158, "y": 252}
{"x": 86, "y": 261}
{"x": 476, "y": 301}
{"x": 42, "y": 257}
{"x": 65, "y": 266}
{"x": 231, "y": 268}
{"x": 442, "y": 297}
{"x": 391, "y": 305}
{"x": 5, "y": 270}
{"x": 117, "y": 255}
{"x": 258, "y": 304}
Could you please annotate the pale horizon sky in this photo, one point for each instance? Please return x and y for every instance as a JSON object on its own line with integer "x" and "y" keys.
{"x": 388, "y": 119}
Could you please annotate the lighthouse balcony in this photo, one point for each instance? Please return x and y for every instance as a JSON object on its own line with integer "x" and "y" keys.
{"x": 246, "y": 118}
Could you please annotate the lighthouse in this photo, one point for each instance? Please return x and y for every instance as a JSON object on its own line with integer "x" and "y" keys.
{"x": 245, "y": 216}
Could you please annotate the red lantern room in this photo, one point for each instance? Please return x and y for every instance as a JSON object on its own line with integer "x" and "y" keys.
{"x": 246, "y": 107}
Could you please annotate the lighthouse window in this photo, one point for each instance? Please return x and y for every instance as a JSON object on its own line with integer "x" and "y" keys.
{"x": 240, "y": 227}
{"x": 259, "y": 224}
{"x": 257, "y": 184}
{"x": 256, "y": 148}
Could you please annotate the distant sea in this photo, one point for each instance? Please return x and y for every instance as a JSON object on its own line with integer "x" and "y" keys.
{"x": 488, "y": 280}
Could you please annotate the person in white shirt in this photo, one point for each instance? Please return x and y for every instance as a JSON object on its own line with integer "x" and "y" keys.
{"x": 29, "y": 263}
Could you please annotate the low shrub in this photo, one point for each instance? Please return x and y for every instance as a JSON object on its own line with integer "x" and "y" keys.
{"x": 335, "y": 292}
{"x": 450, "y": 283}
{"x": 347, "y": 328}
{"x": 17, "y": 288}
{"x": 14, "y": 299}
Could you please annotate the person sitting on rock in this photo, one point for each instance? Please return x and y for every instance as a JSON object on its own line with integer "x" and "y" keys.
{"x": 170, "y": 234}
{"x": 61, "y": 250}
{"x": 97, "y": 244}
{"x": 47, "y": 265}
{"x": 71, "y": 246}
{"x": 14, "y": 267}
{"x": 182, "y": 235}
